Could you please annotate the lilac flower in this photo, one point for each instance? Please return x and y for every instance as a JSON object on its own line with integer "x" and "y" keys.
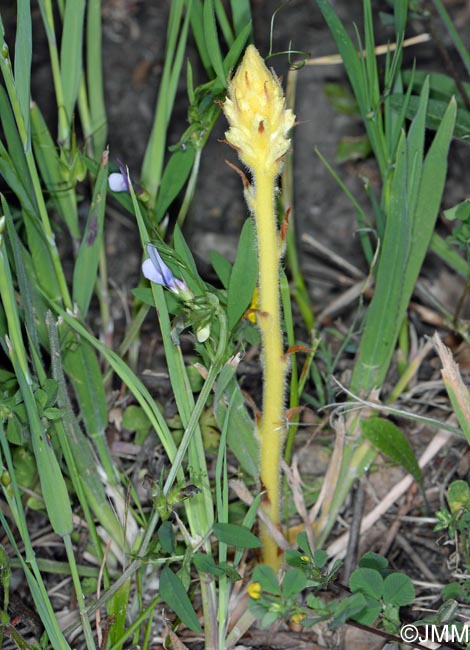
{"x": 119, "y": 181}
{"x": 155, "y": 270}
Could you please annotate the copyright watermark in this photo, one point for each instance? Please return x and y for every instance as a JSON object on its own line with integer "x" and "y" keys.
{"x": 436, "y": 633}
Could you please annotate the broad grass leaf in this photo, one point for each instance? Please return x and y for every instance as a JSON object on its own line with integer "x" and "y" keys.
{"x": 392, "y": 442}
{"x": 235, "y": 535}
{"x": 175, "y": 596}
{"x": 398, "y": 590}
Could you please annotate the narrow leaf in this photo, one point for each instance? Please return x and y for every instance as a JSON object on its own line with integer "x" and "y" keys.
{"x": 86, "y": 266}
{"x": 234, "y": 535}
{"x": 212, "y": 40}
{"x": 244, "y": 275}
{"x": 71, "y": 63}
{"x": 23, "y": 55}
{"x": 391, "y": 441}
{"x": 175, "y": 596}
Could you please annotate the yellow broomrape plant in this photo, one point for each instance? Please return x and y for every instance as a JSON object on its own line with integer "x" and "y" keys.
{"x": 259, "y": 131}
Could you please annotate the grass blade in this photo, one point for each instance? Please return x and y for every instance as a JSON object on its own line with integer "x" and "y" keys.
{"x": 71, "y": 60}
{"x": 23, "y": 56}
{"x": 212, "y": 40}
{"x": 86, "y": 265}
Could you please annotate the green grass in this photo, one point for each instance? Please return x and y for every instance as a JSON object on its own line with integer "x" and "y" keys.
{"x": 58, "y": 377}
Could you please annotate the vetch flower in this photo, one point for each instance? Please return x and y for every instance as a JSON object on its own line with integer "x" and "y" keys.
{"x": 255, "y": 109}
{"x": 119, "y": 181}
{"x": 254, "y": 590}
{"x": 155, "y": 270}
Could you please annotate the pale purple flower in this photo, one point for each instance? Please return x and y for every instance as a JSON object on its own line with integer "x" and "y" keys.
{"x": 119, "y": 181}
{"x": 155, "y": 270}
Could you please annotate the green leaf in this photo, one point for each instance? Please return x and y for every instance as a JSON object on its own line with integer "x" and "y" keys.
{"x": 267, "y": 578}
{"x": 441, "y": 85}
{"x": 175, "y": 596}
{"x": 348, "y": 608}
{"x": 205, "y": 564}
{"x": 54, "y": 173}
{"x": 212, "y": 41}
{"x": 166, "y": 537}
{"x": 23, "y": 55}
{"x": 71, "y": 62}
{"x": 197, "y": 29}
{"x": 375, "y": 561}
{"x": 371, "y": 611}
{"x": 244, "y": 275}
{"x": 241, "y": 13}
{"x": 320, "y": 558}
{"x": 240, "y": 438}
{"x": 353, "y": 148}
{"x": 135, "y": 419}
{"x": 398, "y": 590}
{"x": 82, "y": 368}
{"x": 235, "y": 535}
{"x": 435, "y": 114}
{"x": 303, "y": 543}
{"x": 460, "y": 211}
{"x": 230, "y": 572}
{"x": 458, "y": 496}
{"x": 174, "y": 177}
{"x": 391, "y": 441}
{"x": 367, "y": 581}
{"x": 117, "y": 608}
{"x": 294, "y": 582}
{"x": 236, "y": 49}
{"x": 86, "y": 266}
{"x": 341, "y": 98}
{"x": 221, "y": 266}
{"x": 183, "y": 251}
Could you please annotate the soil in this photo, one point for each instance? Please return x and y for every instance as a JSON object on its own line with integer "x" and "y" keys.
{"x": 133, "y": 41}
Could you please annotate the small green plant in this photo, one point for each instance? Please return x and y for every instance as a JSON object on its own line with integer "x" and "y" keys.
{"x": 304, "y": 596}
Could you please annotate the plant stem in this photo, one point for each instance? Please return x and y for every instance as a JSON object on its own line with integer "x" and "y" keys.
{"x": 271, "y": 426}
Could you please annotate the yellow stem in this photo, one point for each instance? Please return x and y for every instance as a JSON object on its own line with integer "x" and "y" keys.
{"x": 271, "y": 426}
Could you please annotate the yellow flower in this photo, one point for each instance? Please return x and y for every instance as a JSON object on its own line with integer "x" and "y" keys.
{"x": 254, "y": 306}
{"x": 298, "y": 618}
{"x": 254, "y": 590}
{"x": 255, "y": 109}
